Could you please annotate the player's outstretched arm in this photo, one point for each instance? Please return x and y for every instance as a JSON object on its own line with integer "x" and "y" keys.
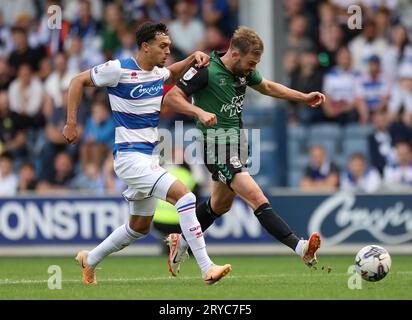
{"x": 75, "y": 93}
{"x": 280, "y": 91}
{"x": 198, "y": 58}
{"x": 177, "y": 101}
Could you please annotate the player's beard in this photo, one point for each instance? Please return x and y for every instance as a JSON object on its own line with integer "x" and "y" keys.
{"x": 239, "y": 71}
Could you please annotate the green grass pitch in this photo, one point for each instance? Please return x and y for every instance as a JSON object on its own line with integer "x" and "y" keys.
{"x": 252, "y": 277}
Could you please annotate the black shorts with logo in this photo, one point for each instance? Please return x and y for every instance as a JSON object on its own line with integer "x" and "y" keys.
{"x": 225, "y": 161}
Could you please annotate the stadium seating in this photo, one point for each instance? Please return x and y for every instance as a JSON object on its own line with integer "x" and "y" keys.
{"x": 339, "y": 142}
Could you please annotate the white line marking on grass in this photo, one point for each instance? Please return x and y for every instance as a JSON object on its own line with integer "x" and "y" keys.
{"x": 261, "y": 276}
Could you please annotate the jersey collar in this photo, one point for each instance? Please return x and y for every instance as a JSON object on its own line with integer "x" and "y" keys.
{"x": 216, "y": 56}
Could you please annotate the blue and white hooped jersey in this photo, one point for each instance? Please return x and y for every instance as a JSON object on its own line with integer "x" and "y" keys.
{"x": 135, "y": 98}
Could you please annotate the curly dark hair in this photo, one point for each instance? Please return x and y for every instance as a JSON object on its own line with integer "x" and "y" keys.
{"x": 148, "y": 31}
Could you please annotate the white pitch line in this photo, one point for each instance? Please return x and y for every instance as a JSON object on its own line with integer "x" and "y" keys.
{"x": 262, "y": 276}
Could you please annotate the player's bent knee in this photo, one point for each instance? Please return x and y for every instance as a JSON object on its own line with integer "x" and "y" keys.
{"x": 257, "y": 199}
{"x": 177, "y": 191}
{"x": 140, "y": 229}
{"x": 140, "y": 224}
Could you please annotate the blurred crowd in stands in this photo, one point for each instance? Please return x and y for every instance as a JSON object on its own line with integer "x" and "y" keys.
{"x": 362, "y": 134}
{"x": 359, "y": 140}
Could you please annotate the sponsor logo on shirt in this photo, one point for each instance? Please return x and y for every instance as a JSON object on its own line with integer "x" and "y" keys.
{"x": 235, "y": 107}
{"x": 140, "y": 91}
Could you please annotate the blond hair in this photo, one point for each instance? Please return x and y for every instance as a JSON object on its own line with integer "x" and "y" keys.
{"x": 246, "y": 40}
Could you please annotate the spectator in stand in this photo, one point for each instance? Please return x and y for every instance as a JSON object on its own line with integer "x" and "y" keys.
{"x": 321, "y": 174}
{"x": 6, "y": 40}
{"x": 55, "y": 82}
{"x": 128, "y": 46}
{"x": 13, "y": 8}
{"x": 339, "y": 87}
{"x": 13, "y": 137}
{"x": 71, "y": 8}
{"x": 220, "y": 13}
{"x": 290, "y": 65}
{"x": 384, "y": 137}
{"x": 374, "y": 6}
{"x": 383, "y": 23}
{"x": 89, "y": 179}
{"x": 399, "y": 173}
{"x": 5, "y": 74}
{"x": 98, "y": 136}
{"x": 214, "y": 40}
{"x": 399, "y": 52}
{"x": 400, "y": 103}
{"x": 297, "y": 38}
{"x": 85, "y": 26}
{"x": 62, "y": 174}
{"x": 380, "y": 140}
{"x": 8, "y": 180}
{"x": 26, "y": 95}
{"x": 186, "y": 31}
{"x": 27, "y": 178}
{"x": 330, "y": 40}
{"x": 45, "y": 69}
{"x": 367, "y": 44}
{"x": 22, "y": 53}
{"x": 81, "y": 57}
{"x": 374, "y": 88}
{"x": 358, "y": 177}
{"x": 55, "y": 142}
{"x": 112, "y": 30}
{"x": 292, "y": 8}
{"x": 307, "y": 78}
{"x": 144, "y": 10}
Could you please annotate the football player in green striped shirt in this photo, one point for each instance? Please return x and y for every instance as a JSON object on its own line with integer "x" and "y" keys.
{"x": 218, "y": 92}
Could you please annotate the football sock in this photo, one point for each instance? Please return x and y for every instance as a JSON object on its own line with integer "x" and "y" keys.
{"x": 299, "y": 247}
{"x": 192, "y": 230}
{"x": 206, "y": 217}
{"x": 276, "y": 226}
{"x": 116, "y": 241}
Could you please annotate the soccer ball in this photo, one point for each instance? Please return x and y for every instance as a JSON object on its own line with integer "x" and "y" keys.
{"x": 373, "y": 263}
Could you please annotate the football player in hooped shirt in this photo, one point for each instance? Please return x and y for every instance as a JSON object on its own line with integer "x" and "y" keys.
{"x": 135, "y": 88}
{"x": 220, "y": 89}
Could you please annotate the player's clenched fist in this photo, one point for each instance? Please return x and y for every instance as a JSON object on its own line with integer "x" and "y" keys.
{"x": 315, "y": 99}
{"x": 207, "y": 118}
{"x": 70, "y": 132}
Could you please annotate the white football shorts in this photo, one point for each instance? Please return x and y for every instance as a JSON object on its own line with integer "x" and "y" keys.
{"x": 147, "y": 181}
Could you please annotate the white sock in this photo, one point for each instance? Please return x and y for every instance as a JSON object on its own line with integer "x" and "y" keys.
{"x": 116, "y": 241}
{"x": 186, "y": 207}
{"x": 299, "y": 247}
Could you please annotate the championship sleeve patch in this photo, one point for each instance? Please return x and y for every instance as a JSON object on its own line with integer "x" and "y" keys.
{"x": 189, "y": 74}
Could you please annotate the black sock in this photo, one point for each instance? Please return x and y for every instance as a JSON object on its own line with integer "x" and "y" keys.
{"x": 205, "y": 215}
{"x": 276, "y": 226}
